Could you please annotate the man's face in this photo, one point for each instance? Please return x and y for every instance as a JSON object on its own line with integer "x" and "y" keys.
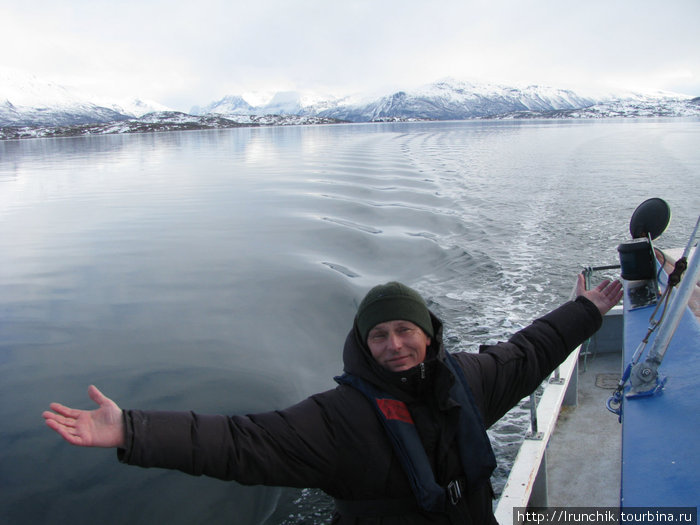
{"x": 398, "y": 345}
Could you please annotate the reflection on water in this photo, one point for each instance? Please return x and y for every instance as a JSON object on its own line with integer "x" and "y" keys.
{"x": 219, "y": 271}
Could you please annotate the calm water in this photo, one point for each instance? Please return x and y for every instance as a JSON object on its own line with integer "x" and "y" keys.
{"x": 219, "y": 271}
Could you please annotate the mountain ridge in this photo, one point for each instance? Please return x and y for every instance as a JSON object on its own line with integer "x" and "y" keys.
{"x": 26, "y": 100}
{"x": 31, "y": 103}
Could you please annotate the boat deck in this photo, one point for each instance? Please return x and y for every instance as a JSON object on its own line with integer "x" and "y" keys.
{"x": 583, "y": 441}
{"x": 660, "y": 460}
{"x": 580, "y": 466}
{"x": 588, "y": 451}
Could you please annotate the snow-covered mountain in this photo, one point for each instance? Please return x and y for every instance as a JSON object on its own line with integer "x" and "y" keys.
{"x": 445, "y": 100}
{"x": 281, "y": 103}
{"x": 458, "y": 100}
{"x": 26, "y": 100}
{"x": 229, "y": 105}
{"x": 631, "y": 105}
{"x": 455, "y": 100}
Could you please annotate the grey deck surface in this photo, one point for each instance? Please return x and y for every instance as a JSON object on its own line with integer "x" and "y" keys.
{"x": 583, "y": 456}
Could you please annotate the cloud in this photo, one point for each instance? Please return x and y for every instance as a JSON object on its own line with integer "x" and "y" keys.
{"x": 183, "y": 54}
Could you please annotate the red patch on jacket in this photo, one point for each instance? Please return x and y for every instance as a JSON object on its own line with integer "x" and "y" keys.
{"x": 394, "y": 409}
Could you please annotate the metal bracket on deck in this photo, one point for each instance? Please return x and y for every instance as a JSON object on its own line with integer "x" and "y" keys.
{"x": 645, "y": 379}
{"x": 556, "y": 378}
{"x": 533, "y": 434}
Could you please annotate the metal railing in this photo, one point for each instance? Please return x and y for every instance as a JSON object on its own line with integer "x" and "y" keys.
{"x": 556, "y": 375}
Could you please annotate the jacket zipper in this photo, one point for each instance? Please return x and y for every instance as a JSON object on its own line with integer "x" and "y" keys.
{"x": 422, "y": 370}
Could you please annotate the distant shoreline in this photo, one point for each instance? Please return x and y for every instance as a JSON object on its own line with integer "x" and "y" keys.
{"x": 177, "y": 121}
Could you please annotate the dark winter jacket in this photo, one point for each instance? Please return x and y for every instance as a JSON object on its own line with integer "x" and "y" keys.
{"x": 334, "y": 440}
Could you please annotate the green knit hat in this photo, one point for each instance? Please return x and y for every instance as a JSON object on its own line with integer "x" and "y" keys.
{"x": 392, "y": 302}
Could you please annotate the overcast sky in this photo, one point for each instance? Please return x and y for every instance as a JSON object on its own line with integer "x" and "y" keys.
{"x": 191, "y": 53}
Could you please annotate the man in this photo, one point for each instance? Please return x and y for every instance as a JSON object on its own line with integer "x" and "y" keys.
{"x": 402, "y": 439}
